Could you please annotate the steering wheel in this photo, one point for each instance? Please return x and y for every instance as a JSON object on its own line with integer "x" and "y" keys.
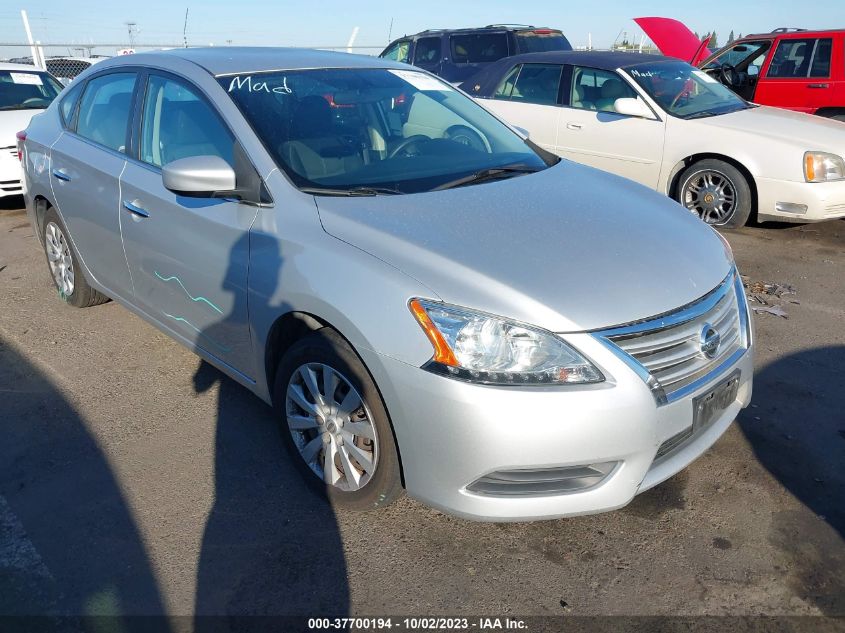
{"x": 466, "y": 136}
{"x": 729, "y": 75}
{"x": 685, "y": 92}
{"x": 407, "y": 144}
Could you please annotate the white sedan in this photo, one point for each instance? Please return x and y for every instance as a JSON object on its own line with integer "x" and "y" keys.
{"x": 24, "y": 92}
{"x": 673, "y": 128}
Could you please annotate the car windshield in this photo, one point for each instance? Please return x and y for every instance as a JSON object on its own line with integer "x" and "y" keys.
{"x": 684, "y": 91}
{"x": 27, "y": 90}
{"x": 737, "y": 54}
{"x": 541, "y": 41}
{"x": 376, "y": 130}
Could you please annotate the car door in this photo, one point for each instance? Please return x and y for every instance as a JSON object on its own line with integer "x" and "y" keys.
{"x": 591, "y": 132}
{"x": 528, "y": 97}
{"x": 838, "y": 73}
{"x": 428, "y": 54}
{"x": 798, "y": 75}
{"x": 189, "y": 256}
{"x": 87, "y": 161}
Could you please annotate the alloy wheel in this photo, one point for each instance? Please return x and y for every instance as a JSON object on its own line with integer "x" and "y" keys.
{"x": 59, "y": 258}
{"x": 711, "y": 195}
{"x": 331, "y": 426}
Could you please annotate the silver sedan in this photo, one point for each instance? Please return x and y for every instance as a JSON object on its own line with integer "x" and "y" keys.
{"x": 429, "y": 301}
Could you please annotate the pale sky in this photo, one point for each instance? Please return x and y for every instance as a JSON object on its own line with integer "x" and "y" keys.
{"x": 330, "y": 22}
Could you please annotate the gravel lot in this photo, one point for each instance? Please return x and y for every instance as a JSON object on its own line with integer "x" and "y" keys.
{"x": 135, "y": 479}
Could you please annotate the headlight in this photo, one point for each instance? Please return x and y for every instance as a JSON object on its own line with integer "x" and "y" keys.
{"x": 487, "y": 349}
{"x": 823, "y": 167}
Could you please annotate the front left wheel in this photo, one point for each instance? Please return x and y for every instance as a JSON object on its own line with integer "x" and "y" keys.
{"x": 334, "y": 423}
{"x": 717, "y": 192}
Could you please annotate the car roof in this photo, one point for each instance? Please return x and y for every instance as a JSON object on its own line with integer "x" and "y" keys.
{"x": 22, "y": 67}
{"x": 789, "y": 33}
{"x": 607, "y": 60}
{"x": 485, "y": 82}
{"x": 226, "y": 60}
{"x": 490, "y": 27}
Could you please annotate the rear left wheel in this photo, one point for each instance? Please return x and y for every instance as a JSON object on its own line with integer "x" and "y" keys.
{"x": 63, "y": 261}
{"x": 335, "y": 424}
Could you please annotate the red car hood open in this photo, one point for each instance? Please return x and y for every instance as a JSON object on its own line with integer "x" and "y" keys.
{"x": 674, "y": 39}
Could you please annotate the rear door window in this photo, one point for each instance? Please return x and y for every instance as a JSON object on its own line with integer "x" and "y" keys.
{"x": 801, "y": 58}
{"x": 427, "y": 52}
{"x": 475, "y": 48}
{"x": 534, "y": 83}
{"x": 104, "y": 111}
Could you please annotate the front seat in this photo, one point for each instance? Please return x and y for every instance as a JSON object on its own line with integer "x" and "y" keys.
{"x": 611, "y": 90}
{"x": 579, "y": 99}
{"x": 315, "y": 150}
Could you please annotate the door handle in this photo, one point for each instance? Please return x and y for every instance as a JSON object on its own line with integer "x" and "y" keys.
{"x": 573, "y": 126}
{"x": 818, "y": 85}
{"x": 135, "y": 209}
{"x": 61, "y": 175}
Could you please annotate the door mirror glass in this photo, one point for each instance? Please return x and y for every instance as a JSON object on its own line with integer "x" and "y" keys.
{"x": 753, "y": 71}
{"x": 199, "y": 176}
{"x": 632, "y": 107}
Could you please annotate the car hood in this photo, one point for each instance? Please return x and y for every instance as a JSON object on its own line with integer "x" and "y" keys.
{"x": 806, "y": 131}
{"x": 674, "y": 39}
{"x": 568, "y": 249}
{"x": 12, "y": 122}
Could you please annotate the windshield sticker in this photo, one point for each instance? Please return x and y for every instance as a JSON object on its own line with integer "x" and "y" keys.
{"x": 704, "y": 76}
{"x": 421, "y": 81}
{"x": 26, "y": 78}
{"x": 255, "y": 85}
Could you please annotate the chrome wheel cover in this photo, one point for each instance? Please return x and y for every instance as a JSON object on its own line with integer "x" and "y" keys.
{"x": 711, "y": 196}
{"x": 331, "y": 426}
{"x": 59, "y": 258}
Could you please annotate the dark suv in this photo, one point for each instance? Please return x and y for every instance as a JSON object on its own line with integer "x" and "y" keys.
{"x": 457, "y": 54}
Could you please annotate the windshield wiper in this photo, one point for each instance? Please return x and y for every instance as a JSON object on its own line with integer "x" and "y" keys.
{"x": 23, "y": 107}
{"x": 354, "y": 191}
{"x": 703, "y": 113}
{"x": 491, "y": 173}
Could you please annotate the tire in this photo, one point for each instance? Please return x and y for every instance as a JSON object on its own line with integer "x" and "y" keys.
{"x": 318, "y": 428}
{"x": 63, "y": 264}
{"x": 717, "y": 192}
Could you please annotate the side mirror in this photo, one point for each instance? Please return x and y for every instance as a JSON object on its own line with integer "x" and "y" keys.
{"x": 632, "y": 107}
{"x": 522, "y": 132}
{"x": 753, "y": 71}
{"x": 199, "y": 176}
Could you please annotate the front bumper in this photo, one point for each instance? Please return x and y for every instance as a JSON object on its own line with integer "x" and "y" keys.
{"x": 11, "y": 174}
{"x": 790, "y": 201}
{"x": 451, "y": 433}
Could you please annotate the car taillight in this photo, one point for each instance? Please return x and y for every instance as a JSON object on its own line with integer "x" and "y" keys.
{"x": 21, "y": 136}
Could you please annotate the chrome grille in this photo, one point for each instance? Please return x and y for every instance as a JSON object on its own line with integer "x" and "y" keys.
{"x": 668, "y": 351}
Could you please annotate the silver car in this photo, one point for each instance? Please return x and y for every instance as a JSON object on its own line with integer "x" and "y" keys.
{"x": 429, "y": 301}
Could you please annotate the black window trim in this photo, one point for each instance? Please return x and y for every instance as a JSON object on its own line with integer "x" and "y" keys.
{"x": 413, "y": 56}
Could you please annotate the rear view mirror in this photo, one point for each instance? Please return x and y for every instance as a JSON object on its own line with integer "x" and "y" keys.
{"x": 199, "y": 176}
{"x": 632, "y": 107}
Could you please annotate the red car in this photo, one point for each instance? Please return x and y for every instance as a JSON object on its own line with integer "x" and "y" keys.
{"x": 795, "y": 69}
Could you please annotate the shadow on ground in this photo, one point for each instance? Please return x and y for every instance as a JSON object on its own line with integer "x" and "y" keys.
{"x": 797, "y": 433}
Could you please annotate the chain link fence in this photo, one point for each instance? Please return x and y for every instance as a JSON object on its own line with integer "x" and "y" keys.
{"x": 66, "y": 61}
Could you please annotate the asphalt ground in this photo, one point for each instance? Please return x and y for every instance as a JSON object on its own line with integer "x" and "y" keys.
{"x": 135, "y": 479}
